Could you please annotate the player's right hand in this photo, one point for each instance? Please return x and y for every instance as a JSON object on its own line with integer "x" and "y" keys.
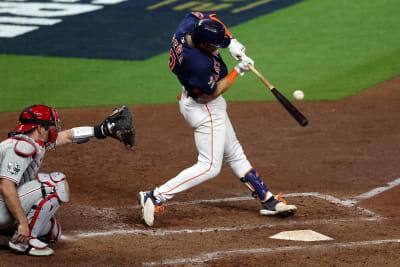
{"x": 22, "y": 235}
{"x": 243, "y": 65}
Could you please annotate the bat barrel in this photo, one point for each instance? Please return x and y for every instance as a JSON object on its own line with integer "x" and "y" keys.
{"x": 296, "y": 114}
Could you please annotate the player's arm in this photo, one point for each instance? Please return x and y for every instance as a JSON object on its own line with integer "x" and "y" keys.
{"x": 77, "y": 135}
{"x": 222, "y": 86}
{"x": 225, "y": 83}
{"x": 10, "y": 196}
{"x": 80, "y": 135}
{"x": 64, "y": 137}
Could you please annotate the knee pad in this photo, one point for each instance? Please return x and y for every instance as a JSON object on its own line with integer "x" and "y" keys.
{"x": 254, "y": 182}
{"x": 58, "y": 181}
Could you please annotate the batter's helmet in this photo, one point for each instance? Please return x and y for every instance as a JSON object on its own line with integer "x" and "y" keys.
{"x": 211, "y": 32}
{"x": 35, "y": 115}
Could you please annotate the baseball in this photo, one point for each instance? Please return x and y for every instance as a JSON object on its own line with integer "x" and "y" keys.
{"x": 298, "y": 95}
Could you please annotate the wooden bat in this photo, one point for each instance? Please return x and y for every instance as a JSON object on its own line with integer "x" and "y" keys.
{"x": 296, "y": 114}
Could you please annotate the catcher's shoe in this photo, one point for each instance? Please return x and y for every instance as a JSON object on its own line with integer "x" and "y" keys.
{"x": 276, "y": 205}
{"x": 149, "y": 206}
{"x": 33, "y": 247}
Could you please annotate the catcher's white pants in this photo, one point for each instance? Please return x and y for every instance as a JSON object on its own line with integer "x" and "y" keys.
{"x": 215, "y": 140}
{"x": 30, "y": 194}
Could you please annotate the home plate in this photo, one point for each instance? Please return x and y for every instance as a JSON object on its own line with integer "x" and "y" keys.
{"x": 301, "y": 235}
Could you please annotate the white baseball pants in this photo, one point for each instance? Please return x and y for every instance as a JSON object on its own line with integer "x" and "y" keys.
{"x": 215, "y": 140}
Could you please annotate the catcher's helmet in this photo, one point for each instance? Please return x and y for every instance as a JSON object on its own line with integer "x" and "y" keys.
{"x": 35, "y": 115}
{"x": 211, "y": 32}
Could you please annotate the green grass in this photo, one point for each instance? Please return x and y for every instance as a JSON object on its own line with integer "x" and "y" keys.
{"x": 328, "y": 49}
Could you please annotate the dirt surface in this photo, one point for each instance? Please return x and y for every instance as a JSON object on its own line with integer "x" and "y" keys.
{"x": 350, "y": 147}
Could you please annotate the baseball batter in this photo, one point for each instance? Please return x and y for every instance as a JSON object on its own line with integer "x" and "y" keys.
{"x": 195, "y": 60}
{"x": 28, "y": 199}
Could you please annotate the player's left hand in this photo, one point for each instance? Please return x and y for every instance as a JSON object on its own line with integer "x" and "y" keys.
{"x": 119, "y": 125}
{"x": 244, "y": 65}
{"x": 236, "y": 49}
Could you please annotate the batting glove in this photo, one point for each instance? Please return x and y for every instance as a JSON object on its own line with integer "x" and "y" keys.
{"x": 243, "y": 65}
{"x": 236, "y": 49}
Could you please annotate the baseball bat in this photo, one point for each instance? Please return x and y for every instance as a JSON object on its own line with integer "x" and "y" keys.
{"x": 296, "y": 114}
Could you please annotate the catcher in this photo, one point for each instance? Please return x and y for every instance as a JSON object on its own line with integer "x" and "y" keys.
{"x": 28, "y": 199}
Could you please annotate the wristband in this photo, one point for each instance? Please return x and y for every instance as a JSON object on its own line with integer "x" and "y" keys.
{"x": 98, "y": 132}
{"x": 232, "y": 76}
{"x": 81, "y": 134}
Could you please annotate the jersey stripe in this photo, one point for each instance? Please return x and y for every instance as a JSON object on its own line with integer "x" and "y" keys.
{"x": 34, "y": 190}
{"x": 9, "y": 178}
{"x": 23, "y": 195}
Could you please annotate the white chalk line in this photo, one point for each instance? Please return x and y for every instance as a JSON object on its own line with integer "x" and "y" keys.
{"x": 161, "y": 232}
{"x": 373, "y": 192}
{"x": 329, "y": 198}
{"x": 346, "y": 203}
{"x": 110, "y": 212}
{"x": 221, "y": 254}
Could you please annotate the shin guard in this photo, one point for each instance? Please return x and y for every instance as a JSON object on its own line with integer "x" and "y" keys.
{"x": 51, "y": 232}
{"x": 45, "y": 211}
{"x": 254, "y": 182}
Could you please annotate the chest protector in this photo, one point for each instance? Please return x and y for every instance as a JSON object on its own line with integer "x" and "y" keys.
{"x": 27, "y": 147}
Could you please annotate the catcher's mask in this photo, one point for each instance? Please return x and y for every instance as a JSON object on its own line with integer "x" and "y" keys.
{"x": 35, "y": 115}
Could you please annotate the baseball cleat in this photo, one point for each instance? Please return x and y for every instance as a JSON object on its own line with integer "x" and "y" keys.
{"x": 33, "y": 247}
{"x": 276, "y": 205}
{"x": 149, "y": 207}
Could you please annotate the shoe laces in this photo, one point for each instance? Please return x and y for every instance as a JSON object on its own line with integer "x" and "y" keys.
{"x": 158, "y": 208}
{"x": 279, "y": 198}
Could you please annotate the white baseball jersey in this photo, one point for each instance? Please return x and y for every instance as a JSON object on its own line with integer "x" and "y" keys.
{"x": 20, "y": 159}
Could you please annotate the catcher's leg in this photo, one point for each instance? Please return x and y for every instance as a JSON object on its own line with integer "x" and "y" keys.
{"x": 53, "y": 191}
{"x": 30, "y": 194}
{"x": 51, "y": 231}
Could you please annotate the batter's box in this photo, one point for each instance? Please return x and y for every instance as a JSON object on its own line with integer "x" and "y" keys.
{"x": 244, "y": 210}
{"x": 226, "y": 214}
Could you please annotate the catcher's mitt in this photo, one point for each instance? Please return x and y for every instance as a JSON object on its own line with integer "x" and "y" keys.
{"x": 119, "y": 125}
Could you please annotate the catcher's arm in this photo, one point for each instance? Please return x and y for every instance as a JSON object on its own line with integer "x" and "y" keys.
{"x": 10, "y": 196}
{"x": 118, "y": 125}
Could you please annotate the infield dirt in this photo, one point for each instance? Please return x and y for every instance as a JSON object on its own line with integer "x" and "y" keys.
{"x": 350, "y": 147}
